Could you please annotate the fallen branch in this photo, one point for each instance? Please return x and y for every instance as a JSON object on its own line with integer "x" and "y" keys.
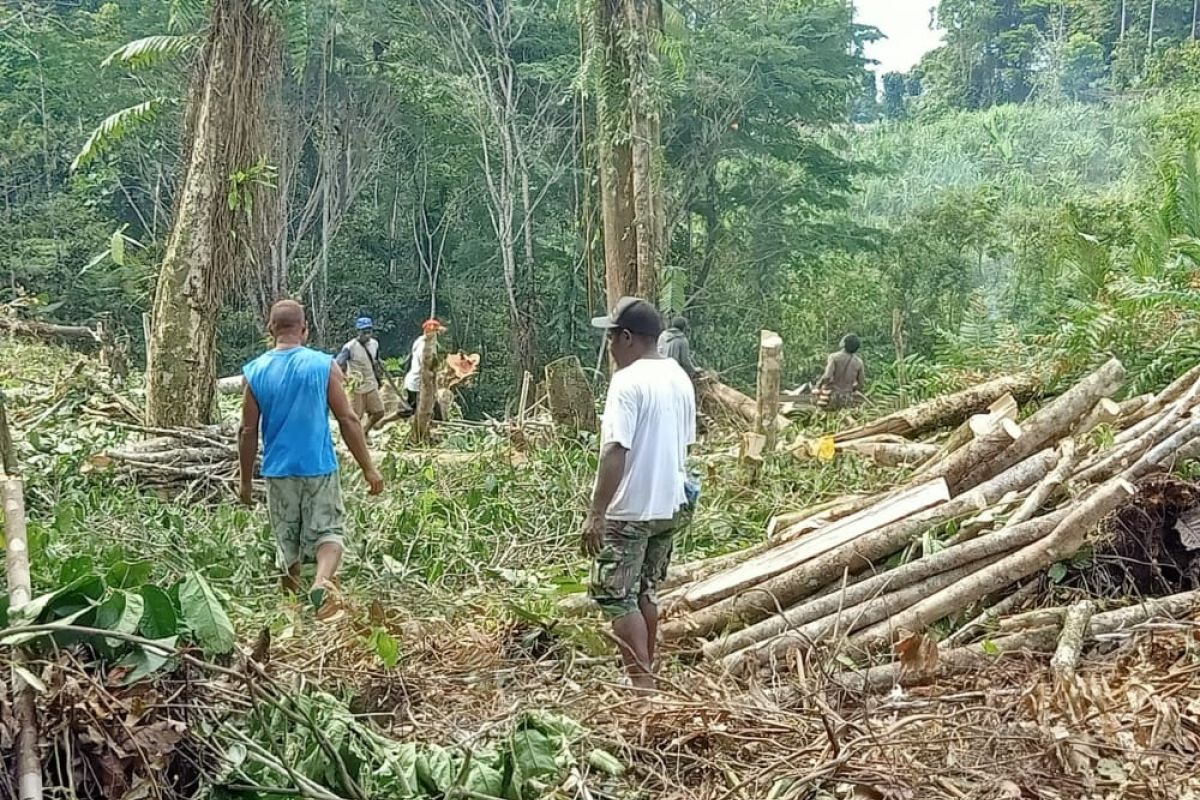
{"x": 1070, "y": 643}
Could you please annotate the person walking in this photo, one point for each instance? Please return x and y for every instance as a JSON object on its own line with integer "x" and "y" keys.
{"x": 674, "y": 344}
{"x": 289, "y": 393}
{"x": 359, "y": 361}
{"x": 641, "y": 496}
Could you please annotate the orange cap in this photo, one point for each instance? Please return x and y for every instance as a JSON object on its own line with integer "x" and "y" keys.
{"x": 432, "y": 325}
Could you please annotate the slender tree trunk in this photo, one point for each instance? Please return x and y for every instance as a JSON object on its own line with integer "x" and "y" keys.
{"x": 1150, "y": 39}
{"x": 209, "y": 241}
{"x": 630, "y": 150}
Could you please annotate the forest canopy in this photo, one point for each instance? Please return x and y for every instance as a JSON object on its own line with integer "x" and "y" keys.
{"x": 1031, "y": 180}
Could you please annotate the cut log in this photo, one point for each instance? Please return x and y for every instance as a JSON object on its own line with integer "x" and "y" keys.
{"x": 947, "y": 410}
{"x": 1105, "y": 412}
{"x": 989, "y": 615}
{"x": 1056, "y": 420}
{"x": 977, "y": 426}
{"x": 1070, "y": 644}
{"x": 844, "y": 622}
{"x": 1166, "y": 453}
{"x": 723, "y": 402}
{"x": 786, "y": 556}
{"x": 796, "y": 624}
{"x": 1038, "y": 640}
{"x": 888, "y": 454}
{"x": 825, "y": 512}
{"x": 786, "y": 589}
{"x": 1064, "y": 542}
{"x": 889, "y": 581}
{"x": 1048, "y": 486}
{"x": 975, "y": 457}
{"x": 770, "y": 364}
{"x": 569, "y": 395}
{"x": 76, "y": 335}
{"x": 1135, "y": 409}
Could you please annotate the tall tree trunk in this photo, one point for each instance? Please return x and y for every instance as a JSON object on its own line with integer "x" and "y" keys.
{"x": 225, "y": 134}
{"x": 630, "y": 149}
{"x": 1150, "y": 39}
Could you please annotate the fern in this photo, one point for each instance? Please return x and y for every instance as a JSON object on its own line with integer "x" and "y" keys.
{"x": 151, "y": 50}
{"x": 672, "y": 297}
{"x": 115, "y": 128}
{"x": 296, "y": 29}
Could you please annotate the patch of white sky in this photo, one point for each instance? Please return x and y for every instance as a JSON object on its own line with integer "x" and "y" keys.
{"x": 905, "y": 25}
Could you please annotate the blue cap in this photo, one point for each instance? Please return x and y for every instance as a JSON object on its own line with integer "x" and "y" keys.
{"x": 364, "y": 323}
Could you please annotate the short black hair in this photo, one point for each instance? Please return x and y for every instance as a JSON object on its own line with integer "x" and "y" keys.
{"x": 680, "y": 323}
{"x": 850, "y": 343}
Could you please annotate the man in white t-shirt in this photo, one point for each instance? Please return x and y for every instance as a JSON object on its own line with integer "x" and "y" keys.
{"x": 639, "y": 499}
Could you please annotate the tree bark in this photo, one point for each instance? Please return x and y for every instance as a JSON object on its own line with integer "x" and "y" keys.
{"x": 1057, "y": 419}
{"x": 209, "y": 240}
{"x": 77, "y": 335}
{"x": 787, "y": 588}
{"x": 951, "y": 409}
{"x": 786, "y": 556}
{"x": 1064, "y": 542}
{"x": 890, "y": 454}
{"x": 1070, "y": 643}
{"x": 568, "y": 395}
{"x": 629, "y": 131}
{"x": 889, "y": 581}
{"x": 427, "y": 397}
{"x": 974, "y": 457}
{"x": 20, "y": 592}
{"x": 770, "y": 364}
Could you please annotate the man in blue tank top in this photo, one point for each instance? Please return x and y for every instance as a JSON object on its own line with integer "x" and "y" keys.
{"x": 290, "y": 392}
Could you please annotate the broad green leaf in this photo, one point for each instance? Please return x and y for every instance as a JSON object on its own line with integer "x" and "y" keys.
{"x": 435, "y": 769}
{"x": 126, "y": 575}
{"x": 159, "y": 619}
{"x": 204, "y": 616}
{"x": 47, "y": 605}
{"x": 1057, "y": 572}
{"x": 120, "y": 613}
{"x": 990, "y": 647}
{"x": 385, "y": 647}
{"x": 484, "y": 779}
{"x": 75, "y": 568}
{"x": 144, "y": 661}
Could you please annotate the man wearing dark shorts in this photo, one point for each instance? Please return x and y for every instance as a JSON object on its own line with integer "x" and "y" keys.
{"x": 290, "y": 391}
{"x": 639, "y": 500}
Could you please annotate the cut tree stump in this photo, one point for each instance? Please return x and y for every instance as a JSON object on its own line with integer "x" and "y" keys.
{"x": 570, "y": 396}
{"x": 427, "y": 397}
{"x": 947, "y": 410}
{"x": 770, "y": 364}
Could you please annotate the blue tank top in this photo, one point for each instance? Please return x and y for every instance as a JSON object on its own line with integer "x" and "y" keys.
{"x": 292, "y": 390}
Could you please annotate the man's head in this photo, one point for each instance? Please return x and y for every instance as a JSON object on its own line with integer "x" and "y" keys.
{"x": 680, "y": 324}
{"x": 287, "y": 322}
{"x": 850, "y": 343}
{"x": 432, "y": 325}
{"x": 633, "y": 329}
{"x": 365, "y": 327}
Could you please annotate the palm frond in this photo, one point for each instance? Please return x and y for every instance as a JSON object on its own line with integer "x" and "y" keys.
{"x": 296, "y": 30}
{"x": 151, "y": 50}
{"x": 114, "y": 128}
{"x": 186, "y": 15}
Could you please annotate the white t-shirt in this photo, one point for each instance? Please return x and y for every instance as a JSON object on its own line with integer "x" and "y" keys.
{"x": 651, "y": 412}
{"x": 412, "y": 381}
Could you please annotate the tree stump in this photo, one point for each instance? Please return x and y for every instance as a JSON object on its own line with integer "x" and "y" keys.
{"x": 569, "y": 395}
{"x": 770, "y": 364}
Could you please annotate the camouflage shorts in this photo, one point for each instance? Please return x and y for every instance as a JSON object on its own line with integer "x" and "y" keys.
{"x": 305, "y": 514}
{"x": 633, "y": 560}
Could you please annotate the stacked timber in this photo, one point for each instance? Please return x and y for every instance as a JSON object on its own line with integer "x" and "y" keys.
{"x": 1019, "y": 496}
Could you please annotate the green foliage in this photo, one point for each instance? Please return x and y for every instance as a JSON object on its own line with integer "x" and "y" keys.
{"x": 150, "y": 51}
{"x": 204, "y": 616}
{"x": 114, "y": 129}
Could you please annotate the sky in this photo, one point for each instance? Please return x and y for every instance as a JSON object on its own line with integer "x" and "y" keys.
{"x": 905, "y": 23}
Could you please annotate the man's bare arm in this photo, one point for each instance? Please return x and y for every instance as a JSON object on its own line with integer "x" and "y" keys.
{"x": 248, "y": 441}
{"x": 608, "y": 478}
{"x": 352, "y": 430}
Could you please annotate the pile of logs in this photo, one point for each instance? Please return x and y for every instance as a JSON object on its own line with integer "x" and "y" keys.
{"x": 196, "y": 461}
{"x": 864, "y": 572}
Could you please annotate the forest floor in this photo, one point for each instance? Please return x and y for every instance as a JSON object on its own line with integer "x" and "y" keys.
{"x": 452, "y": 578}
